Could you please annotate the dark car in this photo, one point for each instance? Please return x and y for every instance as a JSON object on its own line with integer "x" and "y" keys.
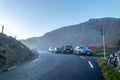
{"x": 67, "y": 49}
{"x": 57, "y": 50}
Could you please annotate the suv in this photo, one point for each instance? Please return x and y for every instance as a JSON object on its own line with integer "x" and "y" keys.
{"x": 67, "y": 49}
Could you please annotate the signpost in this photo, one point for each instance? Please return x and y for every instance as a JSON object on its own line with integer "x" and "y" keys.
{"x": 103, "y": 35}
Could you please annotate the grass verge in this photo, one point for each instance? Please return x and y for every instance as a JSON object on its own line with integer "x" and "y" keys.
{"x": 108, "y": 72}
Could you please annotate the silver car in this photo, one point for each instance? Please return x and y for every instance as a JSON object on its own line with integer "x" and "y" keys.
{"x": 83, "y": 50}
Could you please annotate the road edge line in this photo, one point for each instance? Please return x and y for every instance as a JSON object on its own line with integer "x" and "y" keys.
{"x": 91, "y": 65}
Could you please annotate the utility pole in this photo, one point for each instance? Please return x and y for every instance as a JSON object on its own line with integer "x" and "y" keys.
{"x": 104, "y": 44}
{"x": 2, "y": 28}
{"x": 102, "y": 30}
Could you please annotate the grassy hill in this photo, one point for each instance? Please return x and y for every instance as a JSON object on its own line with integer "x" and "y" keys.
{"x": 12, "y": 51}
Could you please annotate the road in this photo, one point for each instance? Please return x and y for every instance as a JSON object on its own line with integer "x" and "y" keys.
{"x": 50, "y": 66}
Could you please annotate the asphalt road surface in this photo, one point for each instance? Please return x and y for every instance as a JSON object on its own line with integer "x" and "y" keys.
{"x": 50, "y": 66}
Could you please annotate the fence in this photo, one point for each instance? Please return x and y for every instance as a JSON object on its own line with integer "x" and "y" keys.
{"x": 7, "y": 31}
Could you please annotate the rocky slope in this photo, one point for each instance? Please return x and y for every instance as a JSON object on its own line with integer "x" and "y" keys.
{"x": 87, "y": 33}
{"x": 12, "y": 52}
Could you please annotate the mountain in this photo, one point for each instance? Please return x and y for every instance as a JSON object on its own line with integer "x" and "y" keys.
{"x": 12, "y": 51}
{"x": 87, "y": 33}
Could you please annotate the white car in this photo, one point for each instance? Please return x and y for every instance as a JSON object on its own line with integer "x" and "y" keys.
{"x": 51, "y": 49}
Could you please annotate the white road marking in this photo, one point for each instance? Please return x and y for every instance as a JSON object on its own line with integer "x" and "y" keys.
{"x": 12, "y": 68}
{"x": 35, "y": 60}
{"x": 90, "y": 64}
{"x": 82, "y": 57}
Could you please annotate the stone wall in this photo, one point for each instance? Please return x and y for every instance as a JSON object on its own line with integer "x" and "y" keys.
{"x": 114, "y": 60}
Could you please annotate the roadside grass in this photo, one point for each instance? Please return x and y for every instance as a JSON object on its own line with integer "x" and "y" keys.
{"x": 108, "y": 71}
{"x": 100, "y": 54}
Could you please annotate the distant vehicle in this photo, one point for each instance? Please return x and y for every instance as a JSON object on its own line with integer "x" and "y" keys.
{"x": 51, "y": 49}
{"x": 57, "y": 50}
{"x": 67, "y": 49}
{"x": 83, "y": 50}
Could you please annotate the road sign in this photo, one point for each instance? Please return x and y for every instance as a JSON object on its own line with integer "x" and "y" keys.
{"x": 102, "y": 31}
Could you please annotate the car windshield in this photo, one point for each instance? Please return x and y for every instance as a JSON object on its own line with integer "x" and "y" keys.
{"x": 83, "y": 47}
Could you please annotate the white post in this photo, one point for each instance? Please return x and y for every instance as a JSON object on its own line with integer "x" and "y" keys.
{"x": 104, "y": 44}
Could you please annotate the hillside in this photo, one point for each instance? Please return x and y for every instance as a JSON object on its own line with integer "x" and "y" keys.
{"x": 87, "y": 33}
{"x": 12, "y": 51}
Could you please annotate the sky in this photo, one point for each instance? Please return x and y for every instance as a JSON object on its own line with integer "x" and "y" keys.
{"x": 33, "y": 18}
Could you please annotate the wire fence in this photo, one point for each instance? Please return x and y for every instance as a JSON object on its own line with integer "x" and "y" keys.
{"x": 7, "y": 32}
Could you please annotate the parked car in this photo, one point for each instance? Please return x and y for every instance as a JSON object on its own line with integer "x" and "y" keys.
{"x": 50, "y": 49}
{"x": 67, "y": 49}
{"x": 77, "y": 50}
{"x": 83, "y": 50}
{"x": 57, "y": 50}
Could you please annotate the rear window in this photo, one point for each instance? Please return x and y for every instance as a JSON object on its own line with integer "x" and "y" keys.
{"x": 68, "y": 47}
